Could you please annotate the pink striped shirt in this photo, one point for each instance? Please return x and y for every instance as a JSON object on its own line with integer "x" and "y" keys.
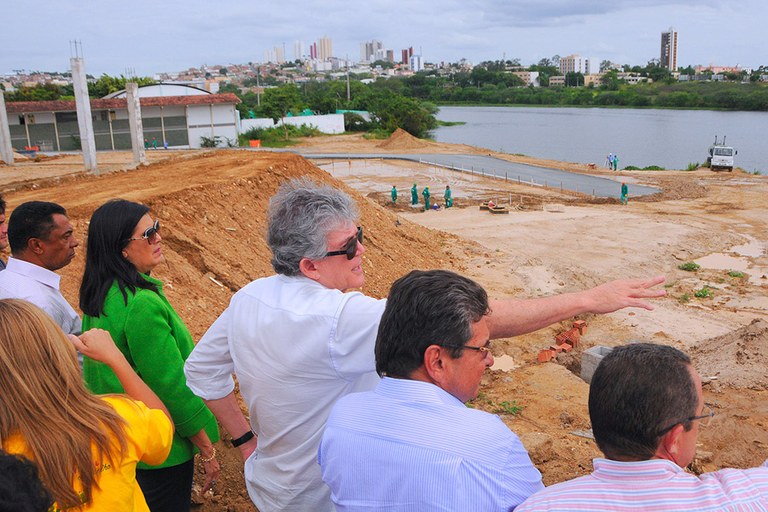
{"x": 658, "y": 485}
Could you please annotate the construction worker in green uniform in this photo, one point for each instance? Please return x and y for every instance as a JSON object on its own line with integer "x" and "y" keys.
{"x": 394, "y": 194}
{"x": 414, "y": 195}
{"x": 425, "y": 193}
{"x": 447, "y": 197}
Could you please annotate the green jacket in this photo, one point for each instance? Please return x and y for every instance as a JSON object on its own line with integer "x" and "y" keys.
{"x": 156, "y": 343}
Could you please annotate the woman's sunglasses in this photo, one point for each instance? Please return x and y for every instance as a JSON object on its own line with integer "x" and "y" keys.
{"x": 150, "y": 234}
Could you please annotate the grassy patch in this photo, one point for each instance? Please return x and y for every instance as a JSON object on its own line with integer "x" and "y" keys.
{"x": 736, "y": 273}
{"x": 276, "y": 137}
{"x": 377, "y": 135}
{"x": 485, "y": 403}
{"x": 689, "y": 266}
{"x": 684, "y": 298}
{"x": 703, "y": 293}
{"x": 648, "y": 168}
{"x": 692, "y": 166}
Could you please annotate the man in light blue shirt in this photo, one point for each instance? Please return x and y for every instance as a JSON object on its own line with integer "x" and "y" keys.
{"x": 411, "y": 444}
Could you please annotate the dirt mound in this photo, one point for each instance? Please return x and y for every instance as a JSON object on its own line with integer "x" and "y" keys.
{"x": 212, "y": 209}
{"x": 736, "y": 359}
{"x": 401, "y": 139}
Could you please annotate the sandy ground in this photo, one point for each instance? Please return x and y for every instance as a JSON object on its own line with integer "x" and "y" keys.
{"x": 212, "y": 208}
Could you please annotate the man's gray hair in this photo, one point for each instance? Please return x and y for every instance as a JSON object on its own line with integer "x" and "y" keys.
{"x": 301, "y": 215}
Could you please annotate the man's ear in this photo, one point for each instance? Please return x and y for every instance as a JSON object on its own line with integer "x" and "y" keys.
{"x": 434, "y": 363}
{"x": 309, "y": 269}
{"x": 34, "y": 245}
{"x": 670, "y": 444}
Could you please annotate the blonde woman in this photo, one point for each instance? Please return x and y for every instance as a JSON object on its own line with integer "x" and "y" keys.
{"x": 86, "y": 446}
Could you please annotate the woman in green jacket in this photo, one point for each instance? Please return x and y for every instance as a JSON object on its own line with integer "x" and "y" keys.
{"x": 117, "y": 294}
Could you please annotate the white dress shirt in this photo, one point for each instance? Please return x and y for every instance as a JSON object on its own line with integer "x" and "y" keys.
{"x": 296, "y": 347}
{"x": 410, "y": 446}
{"x": 40, "y": 286}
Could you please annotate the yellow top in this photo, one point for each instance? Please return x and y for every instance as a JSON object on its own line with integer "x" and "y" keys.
{"x": 149, "y": 433}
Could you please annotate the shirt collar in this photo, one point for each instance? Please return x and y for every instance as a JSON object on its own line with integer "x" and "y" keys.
{"x": 643, "y": 470}
{"x": 409, "y": 390}
{"x": 35, "y": 272}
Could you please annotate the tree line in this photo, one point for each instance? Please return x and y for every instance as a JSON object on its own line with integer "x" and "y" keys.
{"x": 410, "y": 102}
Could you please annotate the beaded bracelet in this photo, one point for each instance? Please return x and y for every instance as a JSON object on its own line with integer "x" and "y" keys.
{"x": 208, "y": 459}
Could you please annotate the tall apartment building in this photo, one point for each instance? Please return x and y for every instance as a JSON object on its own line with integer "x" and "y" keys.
{"x": 279, "y": 55}
{"x": 370, "y": 51}
{"x": 416, "y": 64}
{"x": 668, "y": 57}
{"x": 324, "y": 48}
{"x": 406, "y": 56}
{"x": 574, "y": 64}
{"x": 298, "y": 50}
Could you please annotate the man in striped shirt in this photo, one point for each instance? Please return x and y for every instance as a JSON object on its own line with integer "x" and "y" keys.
{"x": 411, "y": 444}
{"x": 646, "y": 407}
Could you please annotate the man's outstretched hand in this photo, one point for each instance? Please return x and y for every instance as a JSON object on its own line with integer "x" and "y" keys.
{"x": 624, "y": 293}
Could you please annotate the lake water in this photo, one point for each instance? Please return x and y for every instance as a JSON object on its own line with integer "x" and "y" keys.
{"x": 641, "y": 137}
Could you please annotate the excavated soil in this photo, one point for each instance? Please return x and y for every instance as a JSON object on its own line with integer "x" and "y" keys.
{"x": 212, "y": 207}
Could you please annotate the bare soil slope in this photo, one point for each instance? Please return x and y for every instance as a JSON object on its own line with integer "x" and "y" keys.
{"x": 212, "y": 206}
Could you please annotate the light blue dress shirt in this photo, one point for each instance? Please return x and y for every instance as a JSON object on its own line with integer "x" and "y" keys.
{"x": 410, "y": 446}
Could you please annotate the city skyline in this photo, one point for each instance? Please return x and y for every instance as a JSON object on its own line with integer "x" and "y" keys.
{"x": 180, "y": 35}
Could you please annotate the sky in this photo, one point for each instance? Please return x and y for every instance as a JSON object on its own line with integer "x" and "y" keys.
{"x": 147, "y": 37}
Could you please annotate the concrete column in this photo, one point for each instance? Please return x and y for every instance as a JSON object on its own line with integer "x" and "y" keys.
{"x": 6, "y": 150}
{"x": 84, "y": 121}
{"x": 56, "y": 131}
{"x": 134, "y": 123}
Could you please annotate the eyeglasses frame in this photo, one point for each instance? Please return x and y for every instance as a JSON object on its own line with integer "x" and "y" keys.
{"x": 485, "y": 349}
{"x": 704, "y": 419}
{"x": 350, "y": 247}
{"x": 150, "y": 233}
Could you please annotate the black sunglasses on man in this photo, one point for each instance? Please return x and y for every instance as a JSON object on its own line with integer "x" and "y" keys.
{"x": 350, "y": 248}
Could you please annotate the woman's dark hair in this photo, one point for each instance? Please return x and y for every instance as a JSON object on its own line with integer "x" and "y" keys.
{"x": 111, "y": 226}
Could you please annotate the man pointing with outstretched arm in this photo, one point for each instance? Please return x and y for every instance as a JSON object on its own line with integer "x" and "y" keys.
{"x": 298, "y": 341}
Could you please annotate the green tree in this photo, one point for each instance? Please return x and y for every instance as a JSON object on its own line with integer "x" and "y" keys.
{"x": 574, "y": 79}
{"x": 390, "y": 111}
{"x": 384, "y": 64}
{"x": 107, "y": 84}
{"x": 278, "y": 101}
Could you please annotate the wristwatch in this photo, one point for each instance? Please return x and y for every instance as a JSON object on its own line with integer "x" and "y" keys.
{"x": 243, "y": 438}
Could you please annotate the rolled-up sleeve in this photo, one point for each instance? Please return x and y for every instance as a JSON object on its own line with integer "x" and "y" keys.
{"x": 209, "y": 367}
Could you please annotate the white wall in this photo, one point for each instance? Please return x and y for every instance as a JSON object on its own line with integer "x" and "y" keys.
{"x": 247, "y": 124}
{"x": 329, "y": 123}
{"x": 211, "y": 121}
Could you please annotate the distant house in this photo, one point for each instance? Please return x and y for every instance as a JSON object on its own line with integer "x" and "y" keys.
{"x": 529, "y": 78}
{"x": 178, "y": 114}
{"x": 557, "y": 81}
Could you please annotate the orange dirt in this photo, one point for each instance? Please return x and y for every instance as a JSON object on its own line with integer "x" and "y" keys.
{"x": 212, "y": 206}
